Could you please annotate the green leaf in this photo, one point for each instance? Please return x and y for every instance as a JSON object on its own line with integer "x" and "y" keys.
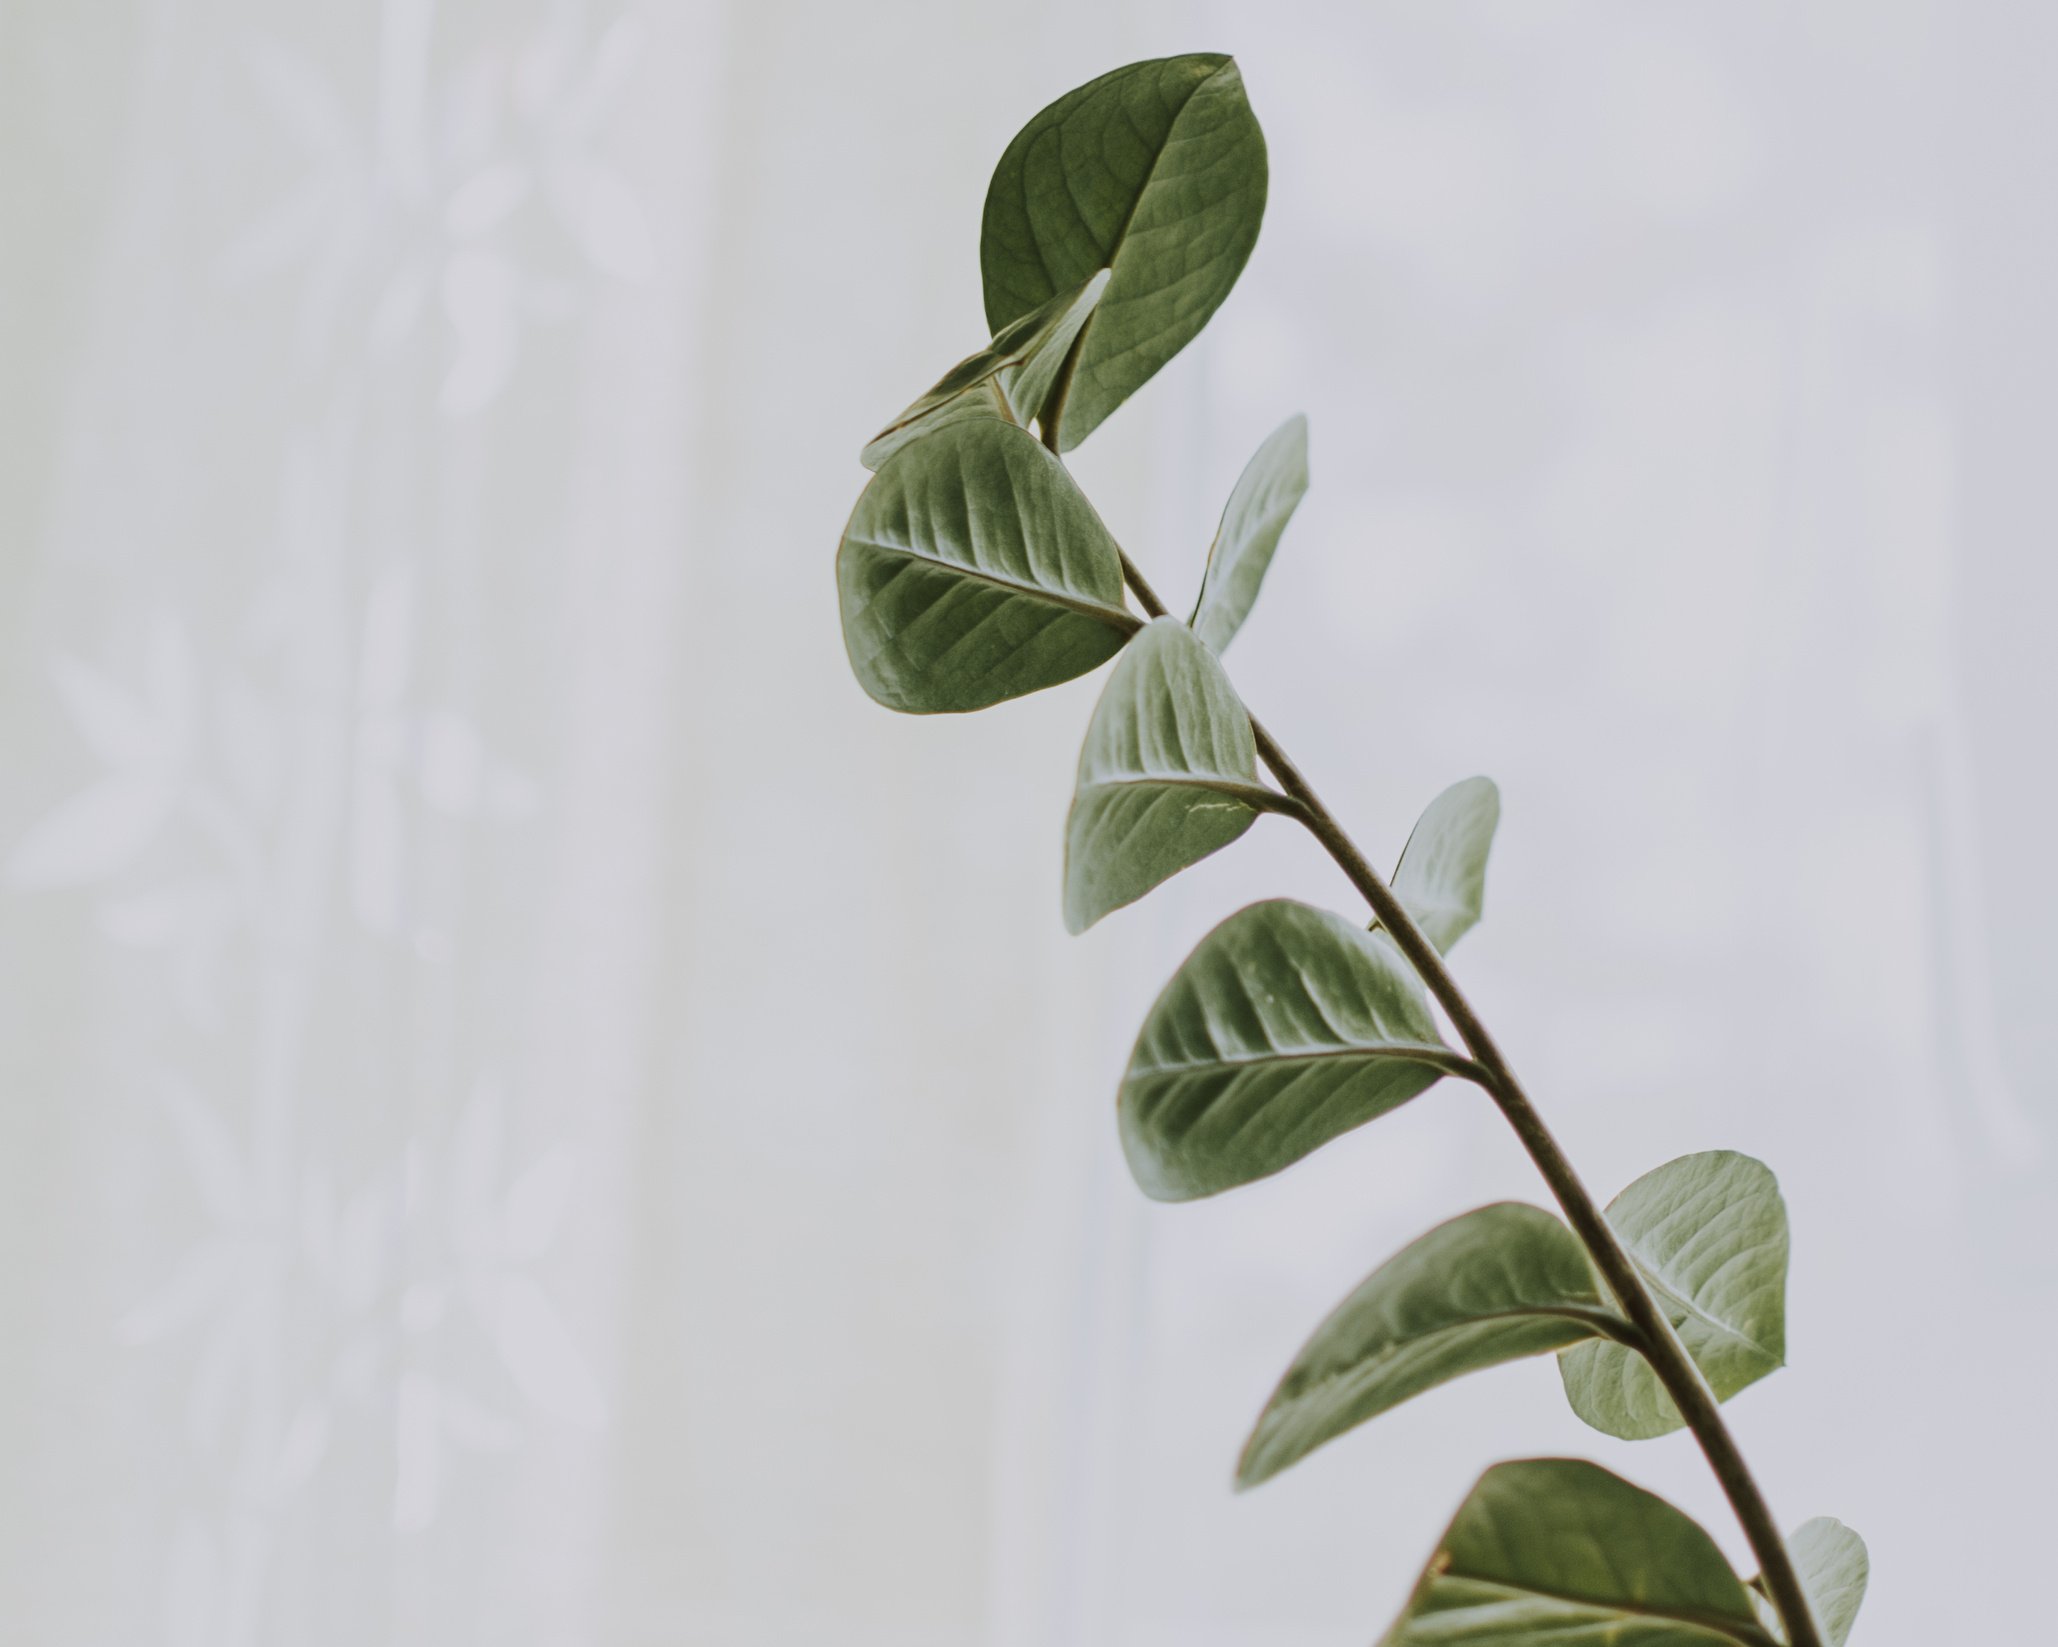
{"x": 1834, "y": 1570}
{"x": 1709, "y": 1233}
{"x": 1156, "y": 172}
{"x": 1494, "y": 1285}
{"x": 973, "y": 570}
{"x": 982, "y": 397}
{"x": 1169, "y": 774}
{"x": 1029, "y": 384}
{"x": 1556, "y": 1552}
{"x": 1441, "y": 878}
{"x": 1286, "y": 1027}
{"x": 1267, "y": 493}
{"x": 1008, "y": 379}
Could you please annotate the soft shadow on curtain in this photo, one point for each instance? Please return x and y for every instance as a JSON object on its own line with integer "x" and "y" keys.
{"x": 531, "y": 1112}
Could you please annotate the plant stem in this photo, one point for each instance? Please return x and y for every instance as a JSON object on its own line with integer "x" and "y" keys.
{"x": 1660, "y": 1345}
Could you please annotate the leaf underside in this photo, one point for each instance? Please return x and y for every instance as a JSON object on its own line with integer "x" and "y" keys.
{"x": 1267, "y": 493}
{"x": 974, "y": 570}
{"x": 1560, "y": 1553}
{"x": 1155, "y": 171}
{"x": 1498, "y": 1283}
{"x": 1286, "y": 1027}
{"x": 1834, "y": 1569}
{"x": 1709, "y": 1232}
{"x": 1441, "y": 878}
{"x": 1168, "y": 775}
{"x": 1008, "y": 379}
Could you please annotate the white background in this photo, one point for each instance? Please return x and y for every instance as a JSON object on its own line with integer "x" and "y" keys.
{"x": 533, "y": 1113}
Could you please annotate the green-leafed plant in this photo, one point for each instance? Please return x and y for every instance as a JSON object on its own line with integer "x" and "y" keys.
{"x": 974, "y": 570}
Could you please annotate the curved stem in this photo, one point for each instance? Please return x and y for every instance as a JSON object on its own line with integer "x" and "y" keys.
{"x": 1660, "y": 1345}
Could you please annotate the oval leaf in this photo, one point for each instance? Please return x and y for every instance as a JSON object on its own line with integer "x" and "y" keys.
{"x": 1834, "y": 1570}
{"x": 1494, "y": 1285}
{"x": 973, "y": 570}
{"x": 1267, "y": 493}
{"x": 1155, "y": 172}
{"x": 1286, "y": 1027}
{"x": 1169, "y": 774}
{"x": 1008, "y": 379}
{"x": 1558, "y": 1551}
{"x": 1441, "y": 878}
{"x": 1709, "y": 1233}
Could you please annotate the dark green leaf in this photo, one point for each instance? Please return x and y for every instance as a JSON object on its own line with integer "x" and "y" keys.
{"x": 1834, "y": 1570}
{"x": 1441, "y": 878}
{"x": 1556, "y": 1552}
{"x": 1494, "y": 1285}
{"x": 1709, "y": 1233}
{"x": 1155, "y": 171}
{"x": 973, "y": 570}
{"x": 1007, "y": 379}
{"x": 1169, "y": 774}
{"x": 1286, "y": 1027}
{"x": 1267, "y": 493}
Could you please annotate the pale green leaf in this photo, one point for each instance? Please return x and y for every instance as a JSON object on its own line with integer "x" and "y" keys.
{"x": 1441, "y": 878}
{"x": 1155, "y": 171}
{"x": 1029, "y": 381}
{"x": 1266, "y": 495}
{"x": 1008, "y": 379}
{"x": 1285, "y": 1028}
{"x": 1834, "y": 1570}
{"x": 1499, "y": 1283}
{"x": 1169, "y": 774}
{"x": 983, "y": 397}
{"x": 1709, "y": 1233}
{"x": 1556, "y": 1552}
{"x": 974, "y": 570}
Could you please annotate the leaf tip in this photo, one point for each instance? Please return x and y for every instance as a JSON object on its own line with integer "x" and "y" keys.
{"x": 1253, "y": 1465}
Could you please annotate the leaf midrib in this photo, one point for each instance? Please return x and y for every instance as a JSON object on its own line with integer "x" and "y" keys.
{"x": 1450, "y": 1061}
{"x": 1732, "y": 1629}
{"x": 1254, "y": 795}
{"x": 1598, "y": 1319}
{"x": 1121, "y": 234}
{"x": 1115, "y": 617}
{"x": 1693, "y": 1308}
{"x": 1156, "y": 160}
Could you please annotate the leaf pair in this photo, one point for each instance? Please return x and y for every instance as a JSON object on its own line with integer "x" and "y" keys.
{"x": 1169, "y": 773}
{"x": 1558, "y": 1551}
{"x": 973, "y": 569}
{"x": 1287, "y": 1026}
{"x": 1503, "y": 1282}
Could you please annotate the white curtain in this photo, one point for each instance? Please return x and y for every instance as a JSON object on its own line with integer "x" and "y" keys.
{"x": 532, "y": 1113}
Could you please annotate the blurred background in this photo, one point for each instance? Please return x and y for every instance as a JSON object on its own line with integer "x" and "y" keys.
{"x": 531, "y": 1112}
